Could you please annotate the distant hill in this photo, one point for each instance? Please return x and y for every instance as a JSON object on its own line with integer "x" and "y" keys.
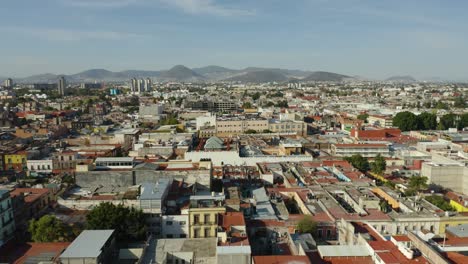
{"x": 260, "y": 76}
{"x": 321, "y": 76}
{"x": 404, "y": 78}
{"x": 213, "y": 72}
{"x": 185, "y": 74}
{"x": 180, "y": 73}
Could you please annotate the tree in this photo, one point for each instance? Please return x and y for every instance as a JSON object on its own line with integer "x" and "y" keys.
{"x": 406, "y": 121}
{"x": 255, "y": 96}
{"x": 129, "y": 223}
{"x": 448, "y": 121}
{"x": 246, "y": 105}
{"x": 250, "y": 131}
{"x": 379, "y": 165}
{"x": 307, "y": 225}
{"x": 427, "y": 121}
{"x": 440, "y": 202}
{"x": 418, "y": 183}
{"x": 460, "y": 102}
{"x": 50, "y": 229}
{"x": 363, "y": 117}
{"x": 283, "y": 104}
{"x": 359, "y": 162}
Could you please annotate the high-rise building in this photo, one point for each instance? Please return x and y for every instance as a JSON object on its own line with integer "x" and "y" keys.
{"x": 148, "y": 85}
{"x": 133, "y": 86}
{"x": 62, "y": 85}
{"x": 8, "y": 83}
{"x": 140, "y": 86}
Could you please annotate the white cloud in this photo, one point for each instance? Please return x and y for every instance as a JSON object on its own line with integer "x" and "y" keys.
{"x": 208, "y": 7}
{"x": 69, "y": 35}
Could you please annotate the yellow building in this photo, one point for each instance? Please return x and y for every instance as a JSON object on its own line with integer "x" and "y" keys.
{"x": 15, "y": 161}
{"x": 203, "y": 221}
{"x": 459, "y": 207}
{"x": 447, "y": 221}
{"x": 203, "y": 214}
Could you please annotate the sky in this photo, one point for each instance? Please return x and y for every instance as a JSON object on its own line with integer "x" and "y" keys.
{"x": 369, "y": 38}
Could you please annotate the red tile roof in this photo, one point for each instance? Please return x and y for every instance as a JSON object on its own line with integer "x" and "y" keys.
{"x": 281, "y": 260}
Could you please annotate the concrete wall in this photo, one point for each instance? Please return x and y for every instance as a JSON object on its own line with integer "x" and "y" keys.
{"x": 128, "y": 178}
{"x": 233, "y": 158}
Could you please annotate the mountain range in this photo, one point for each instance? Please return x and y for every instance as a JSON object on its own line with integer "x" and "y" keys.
{"x": 204, "y": 74}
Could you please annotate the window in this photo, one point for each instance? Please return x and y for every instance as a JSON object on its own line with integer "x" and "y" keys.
{"x": 328, "y": 233}
{"x": 169, "y": 236}
{"x": 196, "y": 233}
{"x": 196, "y": 219}
{"x": 207, "y": 232}
{"x": 182, "y": 223}
{"x": 207, "y": 218}
{"x": 168, "y": 222}
{"x": 182, "y": 235}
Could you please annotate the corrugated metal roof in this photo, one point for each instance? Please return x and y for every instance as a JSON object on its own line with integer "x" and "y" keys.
{"x": 88, "y": 244}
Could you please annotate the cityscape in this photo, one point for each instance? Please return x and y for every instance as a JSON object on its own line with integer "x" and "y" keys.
{"x": 232, "y": 164}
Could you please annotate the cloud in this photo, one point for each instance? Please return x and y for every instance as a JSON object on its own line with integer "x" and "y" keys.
{"x": 69, "y": 35}
{"x": 208, "y": 7}
{"x": 99, "y": 3}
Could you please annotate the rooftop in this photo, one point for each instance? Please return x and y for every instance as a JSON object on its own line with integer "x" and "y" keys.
{"x": 88, "y": 244}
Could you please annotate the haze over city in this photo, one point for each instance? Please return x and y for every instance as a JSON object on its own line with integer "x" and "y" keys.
{"x": 426, "y": 39}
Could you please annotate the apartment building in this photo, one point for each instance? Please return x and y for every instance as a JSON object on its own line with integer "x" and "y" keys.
{"x": 203, "y": 215}
{"x": 232, "y": 126}
{"x": 365, "y": 150}
{"x": 287, "y": 126}
{"x": 7, "y": 222}
{"x": 380, "y": 120}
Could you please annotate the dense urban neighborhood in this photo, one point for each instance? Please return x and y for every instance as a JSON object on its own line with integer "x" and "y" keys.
{"x": 195, "y": 166}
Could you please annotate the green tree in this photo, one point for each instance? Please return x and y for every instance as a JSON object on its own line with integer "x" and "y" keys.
{"x": 129, "y": 223}
{"x": 427, "y": 121}
{"x": 246, "y": 105}
{"x": 448, "y": 121}
{"x": 359, "y": 162}
{"x": 250, "y": 131}
{"x": 363, "y": 117}
{"x": 460, "y": 102}
{"x": 440, "y": 202}
{"x": 405, "y": 121}
{"x": 418, "y": 183}
{"x": 50, "y": 229}
{"x": 255, "y": 96}
{"x": 307, "y": 225}
{"x": 379, "y": 165}
{"x": 283, "y": 103}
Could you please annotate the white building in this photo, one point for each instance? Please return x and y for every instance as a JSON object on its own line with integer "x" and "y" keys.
{"x": 41, "y": 166}
{"x": 175, "y": 226}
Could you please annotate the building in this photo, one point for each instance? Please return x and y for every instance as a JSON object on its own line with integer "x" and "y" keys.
{"x": 7, "y": 222}
{"x": 365, "y": 150}
{"x": 380, "y": 120}
{"x": 61, "y": 86}
{"x": 232, "y": 126}
{"x": 40, "y": 166}
{"x": 287, "y": 127}
{"x": 133, "y": 86}
{"x": 175, "y": 226}
{"x": 16, "y": 161}
{"x": 8, "y": 83}
{"x": 91, "y": 247}
{"x": 184, "y": 250}
{"x": 452, "y": 175}
{"x": 29, "y": 203}
{"x": 90, "y": 86}
{"x": 153, "y": 195}
{"x": 203, "y": 215}
{"x": 151, "y": 112}
{"x": 107, "y": 163}
{"x": 148, "y": 86}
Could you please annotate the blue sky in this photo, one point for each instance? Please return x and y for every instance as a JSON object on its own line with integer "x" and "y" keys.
{"x": 371, "y": 38}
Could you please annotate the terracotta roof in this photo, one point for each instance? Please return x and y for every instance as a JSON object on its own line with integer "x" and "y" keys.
{"x": 281, "y": 259}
